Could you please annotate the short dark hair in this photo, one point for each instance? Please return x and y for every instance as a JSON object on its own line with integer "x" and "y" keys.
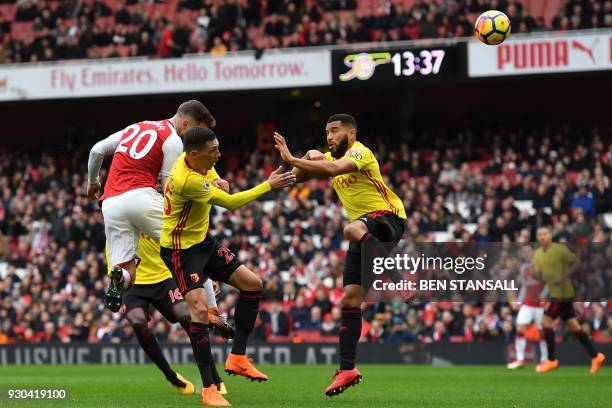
{"x": 197, "y": 137}
{"x": 344, "y": 118}
{"x": 198, "y": 112}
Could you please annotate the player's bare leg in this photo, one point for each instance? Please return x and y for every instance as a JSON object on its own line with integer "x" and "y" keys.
{"x": 520, "y": 344}
{"x": 138, "y": 318}
{"x": 200, "y": 342}
{"x": 247, "y": 307}
{"x": 350, "y": 331}
{"x": 122, "y": 278}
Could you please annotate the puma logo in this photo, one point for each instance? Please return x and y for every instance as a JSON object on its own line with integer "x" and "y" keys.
{"x": 581, "y": 47}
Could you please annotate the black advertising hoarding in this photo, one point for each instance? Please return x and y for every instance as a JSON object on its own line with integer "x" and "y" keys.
{"x": 398, "y": 64}
{"x": 442, "y": 353}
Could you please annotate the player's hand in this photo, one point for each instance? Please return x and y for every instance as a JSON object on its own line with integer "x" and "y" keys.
{"x": 282, "y": 148}
{"x": 279, "y": 180}
{"x": 315, "y": 155}
{"x": 93, "y": 189}
{"x": 222, "y": 184}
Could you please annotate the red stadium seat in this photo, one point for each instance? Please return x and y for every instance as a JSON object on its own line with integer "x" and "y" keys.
{"x": 8, "y": 11}
{"x": 310, "y": 336}
{"x": 102, "y": 22}
{"x": 278, "y": 339}
{"x": 21, "y": 30}
{"x": 477, "y": 165}
{"x": 572, "y": 176}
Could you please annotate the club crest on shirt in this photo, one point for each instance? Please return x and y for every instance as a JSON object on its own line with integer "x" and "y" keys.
{"x": 195, "y": 277}
{"x": 206, "y": 185}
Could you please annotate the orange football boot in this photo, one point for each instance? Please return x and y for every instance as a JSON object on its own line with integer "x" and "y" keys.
{"x": 241, "y": 365}
{"x": 547, "y": 366}
{"x": 342, "y": 380}
{"x": 597, "y": 362}
{"x": 211, "y": 397}
{"x": 189, "y": 388}
{"x": 220, "y": 324}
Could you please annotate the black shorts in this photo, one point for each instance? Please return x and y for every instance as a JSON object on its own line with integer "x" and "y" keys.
{"x": 162, "y": 296}
{"x": 560, "y": 308}
{"x": 387, "y": 227}
{"x": 192, "y": 266}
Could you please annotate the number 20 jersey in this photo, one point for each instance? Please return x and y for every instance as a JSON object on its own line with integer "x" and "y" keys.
{"x": 145, "y": 149}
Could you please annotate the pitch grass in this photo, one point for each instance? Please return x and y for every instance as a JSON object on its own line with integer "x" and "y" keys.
{"x": 302, "y": 386}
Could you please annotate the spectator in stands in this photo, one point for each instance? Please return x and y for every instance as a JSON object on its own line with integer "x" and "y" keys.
{"x": 165, "y": 48}
{"x": 219, "y": 49}
{"x": 300, "y": 313}
{"x": 122, "y": 15}
{"x": 584, "y": 199}
{"x": 277, "y": 319}
{"x": 50, "y": 335}
{"x": 5, "y": 26}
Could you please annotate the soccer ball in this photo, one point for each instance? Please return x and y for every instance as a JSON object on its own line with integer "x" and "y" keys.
{"x": 492, "y": 27}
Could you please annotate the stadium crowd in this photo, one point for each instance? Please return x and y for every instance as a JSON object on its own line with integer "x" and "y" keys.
{"x": 52, "y": 267}
{"x": 78, "y": 29}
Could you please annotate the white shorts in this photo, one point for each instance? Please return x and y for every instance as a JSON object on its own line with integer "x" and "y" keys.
{"x": 528, "y": 314}
{"x": 126, "y": 216}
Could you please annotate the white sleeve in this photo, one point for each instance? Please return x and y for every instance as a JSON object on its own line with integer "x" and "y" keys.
{"x": 172, "y": 149}
{"x": 98, "y": 152}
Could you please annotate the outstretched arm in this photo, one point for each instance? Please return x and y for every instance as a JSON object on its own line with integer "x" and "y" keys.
{"x": 318, "y": 168}
{"x": 233, "y": 201}
{"x": 301, "y": 175}
{"x": 277, "y": 180}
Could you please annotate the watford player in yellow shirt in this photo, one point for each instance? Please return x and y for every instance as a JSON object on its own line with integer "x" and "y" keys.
{"x": 376, "y": 216}
{"x": 154, "y": 287}
{"x": 553, "y": 264}
{"x": 193, "y": 256}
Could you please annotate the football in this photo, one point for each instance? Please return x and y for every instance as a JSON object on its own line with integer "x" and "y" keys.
{"x": 492, "y": 27}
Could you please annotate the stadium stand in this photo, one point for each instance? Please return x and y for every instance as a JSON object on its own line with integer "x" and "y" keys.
{"x": 497, "y": 189}
{"x": 32, "y": 31}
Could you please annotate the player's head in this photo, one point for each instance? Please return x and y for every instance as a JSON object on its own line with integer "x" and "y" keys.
{"x": 201, "y": 147}
{"x": 192, "y": 113}
{"x": 341, "y": 131}
{"x": 544, "y": 235}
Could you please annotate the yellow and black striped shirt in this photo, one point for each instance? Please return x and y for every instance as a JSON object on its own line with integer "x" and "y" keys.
{"x": 364, "y": 191}
{"x": 188, "y": 197}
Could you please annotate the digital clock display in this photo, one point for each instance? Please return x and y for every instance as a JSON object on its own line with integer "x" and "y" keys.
{"x": 396, "y": 64}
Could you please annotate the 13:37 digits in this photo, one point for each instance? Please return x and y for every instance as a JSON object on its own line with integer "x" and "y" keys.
{"x": 425, "y": 63}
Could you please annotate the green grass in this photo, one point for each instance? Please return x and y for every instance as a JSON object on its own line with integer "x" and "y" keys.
{"x": 302, "y": 386}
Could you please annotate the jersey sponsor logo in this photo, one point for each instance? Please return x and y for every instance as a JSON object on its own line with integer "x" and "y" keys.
{"x": 195, "y": 277}
{"x": 344, "y": 181}
{"x": 355, "y": 154}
